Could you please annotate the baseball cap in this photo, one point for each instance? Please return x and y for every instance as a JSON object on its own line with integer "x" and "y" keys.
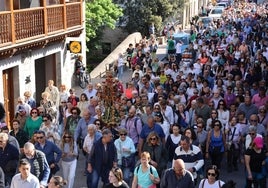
{"x": 258, "y": 141}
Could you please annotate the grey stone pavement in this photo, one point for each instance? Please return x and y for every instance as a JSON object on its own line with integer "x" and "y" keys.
{"x": 80, "y": 179}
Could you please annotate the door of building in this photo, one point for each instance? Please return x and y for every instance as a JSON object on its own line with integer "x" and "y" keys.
{"x": 45, "y": 69}
{"x": 8, "y": 94}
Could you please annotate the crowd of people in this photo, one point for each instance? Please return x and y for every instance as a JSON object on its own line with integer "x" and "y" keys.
{"x": 174, "y": 115}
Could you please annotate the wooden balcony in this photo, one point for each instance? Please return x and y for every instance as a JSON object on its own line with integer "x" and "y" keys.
{"x": 23, "y": 26}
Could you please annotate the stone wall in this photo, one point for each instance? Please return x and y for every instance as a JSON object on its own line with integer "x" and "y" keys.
{"x": 112, "y": 57}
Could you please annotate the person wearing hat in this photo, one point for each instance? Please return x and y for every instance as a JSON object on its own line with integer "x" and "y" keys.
{"x": 254, "y": 160}
{"x": 21, "y": 115}
{"x": 159, "y": 119}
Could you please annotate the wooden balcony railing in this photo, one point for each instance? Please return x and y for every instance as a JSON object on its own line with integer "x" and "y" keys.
{"x": 55, "y": 19}
{"x": 73, "y": 14}
{"x": 38, "y": 22}
{"x": 28, "y": 23}
{"x": 5, "y": 27}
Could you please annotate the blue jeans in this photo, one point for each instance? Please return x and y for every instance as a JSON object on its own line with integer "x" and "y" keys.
{"x": 120, "y": 72}
{"x": 89, "y": 179}
{"x": 94, "y": 178}
{"x": 259, "y": 180}
{"x": 127, "y": 174}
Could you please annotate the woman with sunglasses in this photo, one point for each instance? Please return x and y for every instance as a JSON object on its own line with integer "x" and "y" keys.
{"x": 158, "y": 153}
{"x": 33, "y": 122}
{"x": 263, "y": 116}
{"x": 215, "y": 145}
{"x": 213, "y": 117}
{"x": 69, "y": 158}
{"x": 57, "y": 182}
{"x": 125, "y": 153}
{"x": 116, "y": 179}
{"x": 212, "y": 178}
{"x": 50, "y": 129}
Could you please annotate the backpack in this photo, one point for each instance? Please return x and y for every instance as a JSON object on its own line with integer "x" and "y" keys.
{"x": 138, "y": 167}
{"x": 135, "y": 122}
{"x": 203, "y": 183}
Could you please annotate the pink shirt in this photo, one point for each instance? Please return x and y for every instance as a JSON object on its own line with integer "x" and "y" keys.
{"x": 258, "y": 101}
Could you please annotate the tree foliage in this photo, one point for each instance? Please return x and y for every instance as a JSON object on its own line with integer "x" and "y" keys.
{"x": 99, "y": 14}
{"x": 140, "y": 14}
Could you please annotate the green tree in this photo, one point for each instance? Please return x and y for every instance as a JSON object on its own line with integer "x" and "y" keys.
{"x": 140, "y": 14}
{"x": 99, "y": 14}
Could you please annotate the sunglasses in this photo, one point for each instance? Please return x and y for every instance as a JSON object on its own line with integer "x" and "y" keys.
{"x": 44, "y": 120}
{"x": 123, "y": 134}
{"x": 153, "y": 138}
{"x": 211, "y": 174}
{"x": 41, "y": 137}
{"x": 97, "y": 123}
{"x": 252, "y": 134}
{"x": 217, "y": 124}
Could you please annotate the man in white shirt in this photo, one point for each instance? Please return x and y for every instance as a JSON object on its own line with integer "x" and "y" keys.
{"x": 24, "y": 179}
{"x": 178, "y": 51}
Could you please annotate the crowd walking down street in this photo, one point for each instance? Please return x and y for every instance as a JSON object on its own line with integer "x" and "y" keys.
{"x": 166, "y": 116}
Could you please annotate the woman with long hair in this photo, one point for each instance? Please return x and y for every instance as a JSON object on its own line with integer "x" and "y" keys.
{"x": 57, "y": 182}
{"x": 213, "y": 117}
{"x": 83, "y": 103}
{"x": 190, "y": 133}
{"x": 158, "y": 153}
{"x": 215, "y": 145}
{"x": 223, "y": 112}
{"x": 69, "y": 158}
{"x": 116, "y": 179}
{"x": 172, "y": 142}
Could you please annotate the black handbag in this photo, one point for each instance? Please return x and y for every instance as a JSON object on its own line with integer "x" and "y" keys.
{"x": 129, "y": 161}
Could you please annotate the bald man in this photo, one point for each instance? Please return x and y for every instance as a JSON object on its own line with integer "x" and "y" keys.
{"x": 177, "y": 176}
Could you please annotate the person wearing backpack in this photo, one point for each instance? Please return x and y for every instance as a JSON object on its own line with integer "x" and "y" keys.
{"x": 133, "y": 125}
{"x": 145, "y": 175}
{"x": 212, "y": 178}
